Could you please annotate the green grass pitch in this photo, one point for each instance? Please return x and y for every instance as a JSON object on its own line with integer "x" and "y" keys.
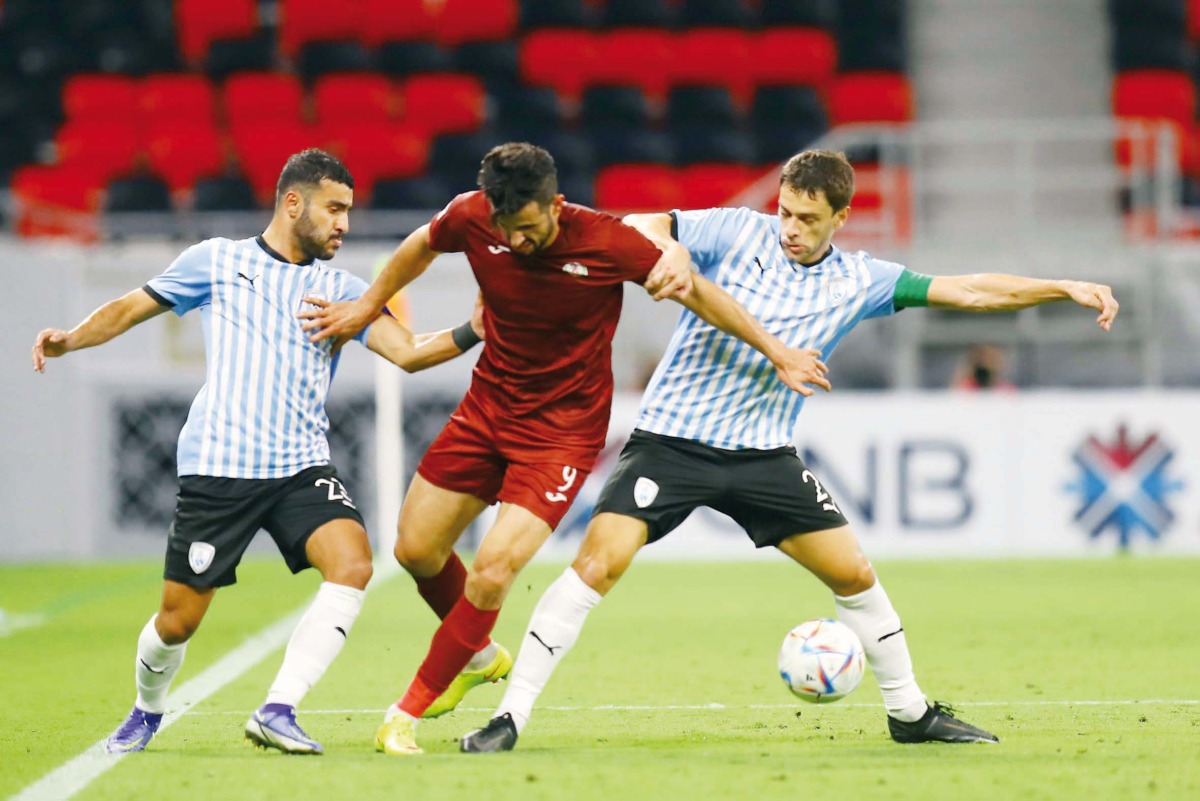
{"x": 671, "y": 692}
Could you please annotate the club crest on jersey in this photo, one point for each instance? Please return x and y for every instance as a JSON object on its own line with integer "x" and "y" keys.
{"x": 837, "y": 289}
{"x": 316, "y": 295}
{"x": 200, "y": 556}
{"x": 644, "y": 492}
{"x": 575, "y": 268}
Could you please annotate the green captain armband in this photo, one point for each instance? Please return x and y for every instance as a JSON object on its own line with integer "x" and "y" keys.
{"x": 911, "y": 290}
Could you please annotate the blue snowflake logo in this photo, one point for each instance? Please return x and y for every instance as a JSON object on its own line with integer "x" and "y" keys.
{"x": 1124, "y": 486}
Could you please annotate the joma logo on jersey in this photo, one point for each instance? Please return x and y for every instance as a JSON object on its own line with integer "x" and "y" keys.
{"x": 1124, "y": 487}
{"x": 575, "y": 268}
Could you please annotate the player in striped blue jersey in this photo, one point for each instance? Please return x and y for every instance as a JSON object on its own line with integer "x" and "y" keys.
{"x": 715, "y": 430}
{"x": 253, "y": 453}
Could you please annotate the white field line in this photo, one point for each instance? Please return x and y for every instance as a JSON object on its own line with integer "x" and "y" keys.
{"x": 68, "y": 779}
{"x": 12, "y": 622}
{"x": 719, "y": 707}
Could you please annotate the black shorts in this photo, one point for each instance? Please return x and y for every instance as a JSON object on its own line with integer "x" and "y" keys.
{"x": 770, "y": 494}
{"x": 216, "y": 518}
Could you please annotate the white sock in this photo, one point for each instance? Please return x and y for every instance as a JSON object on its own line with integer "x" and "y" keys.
{"x": 394, "y": 711}
{"x": 553, "y": 629}
{"x": 157, "y": 663}
{"x": 482, "y": 658}
{"x": 316, "y": 642}
{"x": 871, "y": 616}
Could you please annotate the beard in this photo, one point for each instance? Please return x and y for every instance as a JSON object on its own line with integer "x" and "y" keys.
{"x": 310, "y": 241}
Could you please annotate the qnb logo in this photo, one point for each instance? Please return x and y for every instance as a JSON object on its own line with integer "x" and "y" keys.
{"x": 1124, "y": 487}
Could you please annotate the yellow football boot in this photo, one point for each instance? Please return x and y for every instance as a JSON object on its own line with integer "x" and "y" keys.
{"x": 468, "y": 680}
{"x": 398, "y": 737}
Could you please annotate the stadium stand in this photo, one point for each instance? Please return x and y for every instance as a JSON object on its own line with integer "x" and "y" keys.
{"x": 139, "y": 193}
{"x": 1153, "y": 56}
{"x": 202, "y": 23}
{"x": 223, "y": 193}
{"x": 210, "y": 97}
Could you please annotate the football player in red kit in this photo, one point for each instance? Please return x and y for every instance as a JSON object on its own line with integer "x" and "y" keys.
{"x": 536, "y": 415}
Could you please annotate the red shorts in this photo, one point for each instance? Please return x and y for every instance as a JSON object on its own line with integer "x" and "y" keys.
{"x": 466, "y": 458}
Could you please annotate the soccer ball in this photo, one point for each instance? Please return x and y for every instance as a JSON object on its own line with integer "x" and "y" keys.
{"x": 821, "y": 661}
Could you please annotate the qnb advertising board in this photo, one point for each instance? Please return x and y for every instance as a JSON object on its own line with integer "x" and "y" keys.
{"x": 929, "y": 475}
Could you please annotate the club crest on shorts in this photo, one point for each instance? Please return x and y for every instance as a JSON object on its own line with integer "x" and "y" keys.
{"x": 837, "y": 289}
{"x": 200, "y": 556}
{"x": 644, "y": 492}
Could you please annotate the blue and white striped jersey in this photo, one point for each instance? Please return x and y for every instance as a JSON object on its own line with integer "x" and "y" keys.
{"x": 261, "y": 411}
{"x": 713, "y": 388}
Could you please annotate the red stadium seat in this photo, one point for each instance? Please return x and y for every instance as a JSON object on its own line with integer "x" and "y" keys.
{"x": 870, "y": 97}
{"x": 263, "y": 147}
{"x": 791, "y": 56}
{"x": 106, "y": 148}
{"x": 377, "y": 150}
{"x": 463, "y": 21}
{"x": 201, "y": 22}
{"x": 353, "y": 97}
{"x": 181, "y": 152}
{"x": 58, "y": 201}
{"x": 397, "y": 21}
{"x": 1155, "y": 94}
{"x": 304, "y": 21}
{"x": 637, "y": 187}
{"x": 1189, "y": 153}
{"x": 259, "y": 96}
{"x": 711, "y": 185}
{"x": 563, "y": 59}
{"x": 88, "y": 98}
{"x": 716, "y": 57}
{"x": 642, "y": 57}
{"x": 1193, "y": 20}
{"x": 168, "y": 98}
{"x": 1138, "y": 149}
{"x": 444, "y": 103}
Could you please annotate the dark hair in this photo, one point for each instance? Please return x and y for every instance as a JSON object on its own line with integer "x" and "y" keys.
{"x": 308, "y": 168}
{"x": 820, "y": 171}
{"x": 515, "y": 173}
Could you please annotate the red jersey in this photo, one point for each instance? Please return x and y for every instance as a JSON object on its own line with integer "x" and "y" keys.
{"x": 546, "y": 368}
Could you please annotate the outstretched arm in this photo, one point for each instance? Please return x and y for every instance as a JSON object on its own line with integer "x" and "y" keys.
{"x": 416, "y": 352}
{"x": 343, "y": 320}
{"x": 987, "y": 292}
{"x": 795, "y": 367}
{"x": 107, "y": 322}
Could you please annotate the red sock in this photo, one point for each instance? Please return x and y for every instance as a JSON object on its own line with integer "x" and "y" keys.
{"x": 442, "y": 591}
{"x": 463, "y": 632}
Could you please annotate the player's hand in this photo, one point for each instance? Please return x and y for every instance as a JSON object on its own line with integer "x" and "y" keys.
{"x": 340, "y": 321}
{"x": 477, "y": 317}
{"x": 49, "y": 344}
{"x": 800, "y": 367}
{"x": 1095, "y": 296}
{"x": 667, "y": 280}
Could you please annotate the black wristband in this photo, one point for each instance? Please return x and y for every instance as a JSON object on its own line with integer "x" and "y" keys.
{"x": 465, "y": 337}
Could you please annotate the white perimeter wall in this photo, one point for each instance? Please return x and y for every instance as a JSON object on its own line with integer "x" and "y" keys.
{"x": 918, "y": 475}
